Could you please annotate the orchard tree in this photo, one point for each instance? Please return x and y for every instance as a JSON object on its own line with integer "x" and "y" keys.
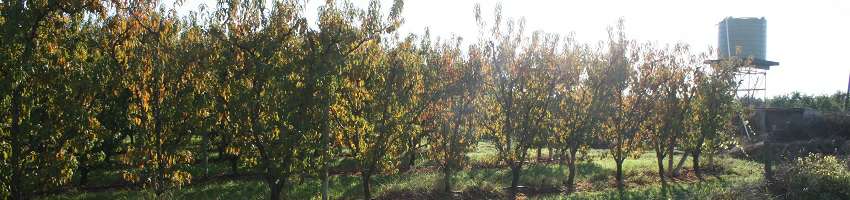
{"x": 625, "y": 86}
{"x": 715, "y": 107}
{"x": 266, "y": 92}
{"x": 679, "y": 93}
{"x": 93, "y": 92}
{"x": 433, "y": 85}
{"x": 209, "y": 108}
{"x": 450, "y": 120}
{"x": 38, "y": 140}
{"x": 162, "y": 81}
{"x": 345, "y": 48}
{"x": 501, "y": 93}
{"x": 379, "y": 105}
{"x": 671, "y": 101}
{"x": 661, "y": 68}
{"x": 571, "y": 123}
{"x": 517, "y": 91}
{"x": 545, "y": 61}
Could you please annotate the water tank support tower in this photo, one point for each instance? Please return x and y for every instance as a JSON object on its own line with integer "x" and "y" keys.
{"x": 745, "y": 38}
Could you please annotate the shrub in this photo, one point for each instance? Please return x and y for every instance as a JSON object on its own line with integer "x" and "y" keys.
{"x": 815, "y": 177}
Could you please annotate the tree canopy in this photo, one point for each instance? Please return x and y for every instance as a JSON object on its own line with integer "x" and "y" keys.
{"x": 132, "y": 85}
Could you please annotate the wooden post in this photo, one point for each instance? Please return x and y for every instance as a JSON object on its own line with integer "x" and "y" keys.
{"x": 768, "y": 147}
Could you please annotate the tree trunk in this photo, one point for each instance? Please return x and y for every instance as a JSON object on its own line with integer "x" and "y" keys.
{"x": 661, "y": 174}
{"x": 562, "y": 154}
{"x": 515, "y": 173}
{"x": 411, "y": 158}
{"x": 767, "y": 156}
{"x": 697, "y": 169}
{"x": 571, "y": 178}
{"x": 107, "y": 155}
{"x": 205, "y": 153}
{"x": 326, "y": 148}
{"x": 84, "y": 175}
{"x": 621, "y": 186}
{"x": 697, "y": 152}
{"x": 680, "y": 165}
{"x": 551, "y": 154}
{"x": 660, "y": 158}
{"x": 275, "y": 190}
{"x": 16, "y": 191}
{"x": 325, "y": 183}
{"x": 222, "y": 155}
{"x": 670, "y": 154}
{"x": 132, "y": 139}
{"x": 447, "y": 179}
{"x": 539, "y": 153}
{"x": 109, "y": 148}
{"x": 710, "y": 164}
{"x": 365, "y": 176}
{"x": 234, "y": 165}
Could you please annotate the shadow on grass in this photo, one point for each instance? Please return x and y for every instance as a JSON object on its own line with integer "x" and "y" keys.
{"x": 594, "y": 181}
{"x": 226, "y": 190}
{"x": 539, "y": 179}
{"x": 342, "y": 187}
{"x": 546, "y": 177}
{"x": 675, "y": 191}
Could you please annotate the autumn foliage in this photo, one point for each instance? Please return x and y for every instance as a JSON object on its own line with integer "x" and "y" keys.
{"x": 135, "y": 86}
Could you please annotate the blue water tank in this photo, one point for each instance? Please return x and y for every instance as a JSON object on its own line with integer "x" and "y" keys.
{"x": 743, "y": 37}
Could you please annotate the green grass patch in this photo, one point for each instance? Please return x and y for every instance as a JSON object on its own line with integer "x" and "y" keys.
{"x": 544, "y": 180}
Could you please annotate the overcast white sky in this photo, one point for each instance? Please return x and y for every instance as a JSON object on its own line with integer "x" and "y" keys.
{"x": 809, "y": 39}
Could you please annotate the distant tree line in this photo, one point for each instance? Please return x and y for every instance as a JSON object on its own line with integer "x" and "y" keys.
{"x": 89, "y": 84}
{"x": 823, "y": 103}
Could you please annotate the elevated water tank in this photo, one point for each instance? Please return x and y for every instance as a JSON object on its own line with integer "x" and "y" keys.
{"x": 743, "y": 37}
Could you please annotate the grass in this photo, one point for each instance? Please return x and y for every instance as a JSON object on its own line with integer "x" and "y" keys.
{"x": 595, "y": 180}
